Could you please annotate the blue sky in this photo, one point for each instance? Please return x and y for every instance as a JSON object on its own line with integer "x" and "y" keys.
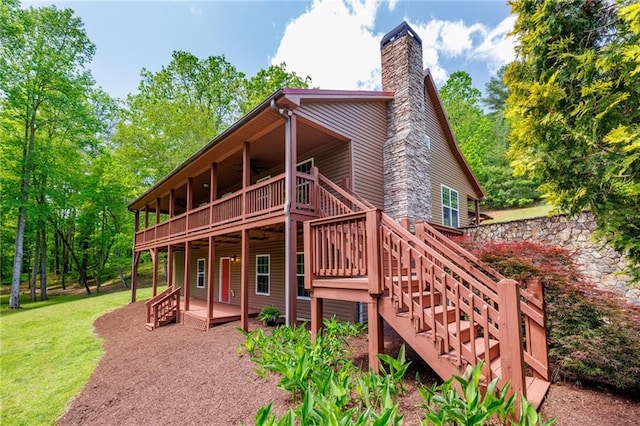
{"x": 336, "y": 42}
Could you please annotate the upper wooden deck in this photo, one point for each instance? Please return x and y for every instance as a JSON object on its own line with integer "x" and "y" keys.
{"x": 256, "y": 205}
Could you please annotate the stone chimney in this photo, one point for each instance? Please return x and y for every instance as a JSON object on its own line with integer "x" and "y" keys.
{"x": 407, "y": 183}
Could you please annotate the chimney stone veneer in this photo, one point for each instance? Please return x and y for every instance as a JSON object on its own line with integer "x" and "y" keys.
{"x": 407, "y": 184}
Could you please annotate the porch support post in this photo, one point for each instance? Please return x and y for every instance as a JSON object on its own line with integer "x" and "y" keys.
{"x": 511, "y": 356}
{"x": 134, "y": 276}
{"x": 212, "y": 253}
{"x": 157, "y": 210}
{"x": 136, "y": 222}
{"x": 213, "y": 189}
{"x": 187, "y": 261}
{"x": 292, "y": 273}
{"x": 246, "y": 175}
{"x": 169, "y": 266}
{"x": 290, "y": 234}
{"x": 172, "y": 203}
{"x": 376, "y": 333}
{"x": 146, "y": 217}
{"x": 154, "y": 274}
{"x": 189, "y": 198}
{"x": 244, "y": 281}
{"x": 477, "y": 219}
{"x": 316, "y": 316}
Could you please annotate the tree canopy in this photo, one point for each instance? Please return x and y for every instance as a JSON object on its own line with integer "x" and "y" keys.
{"x": 574, "y": 105}
{"x": 483, "y": 139}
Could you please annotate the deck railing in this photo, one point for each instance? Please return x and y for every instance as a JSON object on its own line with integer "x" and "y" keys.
{"x": 263, "y": 198}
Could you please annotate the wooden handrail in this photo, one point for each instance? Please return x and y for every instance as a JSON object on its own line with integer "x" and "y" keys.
{"x": 165, "y": 303}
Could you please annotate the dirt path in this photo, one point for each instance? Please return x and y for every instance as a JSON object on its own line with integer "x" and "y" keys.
{"x": 177, "y": 375}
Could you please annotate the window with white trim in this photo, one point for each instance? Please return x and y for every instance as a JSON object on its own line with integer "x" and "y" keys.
{"x": 262, "y": 274}
{"x": 305, "y": 166}
{"x": 450, "y": 207}
{"x": 200, "y": 277}
{"x": 302, "y": 293}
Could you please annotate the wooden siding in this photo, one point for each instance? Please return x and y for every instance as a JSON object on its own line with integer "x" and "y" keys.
{"x": 345, "y": 311}
{"x": 331, "y": 159}
{"x": 365, "y": 125}
{"x": 445, "y": 170}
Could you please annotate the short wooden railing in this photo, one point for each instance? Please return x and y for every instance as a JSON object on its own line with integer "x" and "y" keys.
{"x": 162, "y": 306}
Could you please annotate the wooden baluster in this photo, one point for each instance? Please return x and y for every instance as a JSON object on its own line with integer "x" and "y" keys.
{"x": 511, "y": 356}
{"x": 537, "y": 332}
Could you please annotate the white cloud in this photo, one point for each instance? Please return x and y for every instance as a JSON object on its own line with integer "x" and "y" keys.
{"x": 392, "y": 4}
{"x": 195, "y": 11}
{"x": 334, "y": 42}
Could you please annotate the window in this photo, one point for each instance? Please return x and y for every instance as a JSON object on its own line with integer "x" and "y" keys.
{"x": 302, "y": 293}
{"x": 304, "y": 185}
{"x": 427, "y": 142}
{"x": 305, "y": 166}
{"x": 450, "y": 210}
{"x": 200, "y": 274}
{"x": 262, "y": 274}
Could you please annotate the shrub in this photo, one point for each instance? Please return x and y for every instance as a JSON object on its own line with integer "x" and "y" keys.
{"x": 471, "y": 406}
{"x": 593, "y": 334}
{"x": 269, "y": 315}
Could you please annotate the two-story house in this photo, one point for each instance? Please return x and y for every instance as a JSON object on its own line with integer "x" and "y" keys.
{"x": 290, "y": 206}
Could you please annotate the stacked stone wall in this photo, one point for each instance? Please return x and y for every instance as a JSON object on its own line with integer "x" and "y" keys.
{"x": 600, "y": 263}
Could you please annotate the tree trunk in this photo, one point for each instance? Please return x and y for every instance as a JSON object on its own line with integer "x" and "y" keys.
{"x": 34, "y": 269}
{"x": 43, "y": 262}
{"x": 56, "y": 256}
{"x": 122, "y": 279}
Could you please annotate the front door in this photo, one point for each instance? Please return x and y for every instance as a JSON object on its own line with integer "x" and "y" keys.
{"x": 225, "y": 278}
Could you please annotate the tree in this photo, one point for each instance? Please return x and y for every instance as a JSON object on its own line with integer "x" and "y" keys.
{"x": 497, "y": 92}
{"x": 575, "y": 108}
{"x": 267, "y": 81}
{"x": 183, "y": 106}
{"x": 43, "y": 81}
{"x": 177, "y": 111}
{"x": 483, "y": 141}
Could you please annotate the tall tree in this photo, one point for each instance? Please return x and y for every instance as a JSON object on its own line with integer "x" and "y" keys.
{"x": 267, "y": 81}
{"x": 43, "y": 54}
{"x": 575, "y": 104}
{"x": 176, "y": 111}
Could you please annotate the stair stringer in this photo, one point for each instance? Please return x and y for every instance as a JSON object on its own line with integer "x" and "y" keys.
{"x": 424, "y": 347}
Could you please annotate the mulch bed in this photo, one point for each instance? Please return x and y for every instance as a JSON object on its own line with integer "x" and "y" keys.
{"x": 179, "y": 375}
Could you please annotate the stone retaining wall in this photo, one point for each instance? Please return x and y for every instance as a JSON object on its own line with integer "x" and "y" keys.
{"x": 600, "y": 263}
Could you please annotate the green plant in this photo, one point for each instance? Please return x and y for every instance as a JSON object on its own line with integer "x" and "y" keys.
{"x": 269, "y": 315}
{"x": 471, "y": 406}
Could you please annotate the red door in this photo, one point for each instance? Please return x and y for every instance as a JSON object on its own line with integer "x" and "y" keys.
{"x": 225, "y": 278}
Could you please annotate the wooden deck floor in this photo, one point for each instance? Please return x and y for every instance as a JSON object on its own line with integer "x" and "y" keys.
{"x": 222, "y": 312}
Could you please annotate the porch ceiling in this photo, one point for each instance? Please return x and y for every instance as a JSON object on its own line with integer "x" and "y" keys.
{"x": 266, "y": 136}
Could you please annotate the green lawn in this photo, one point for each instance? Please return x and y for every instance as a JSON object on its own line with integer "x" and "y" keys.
{"x": 47, "y": 353}
{"x": 517, "y": 214}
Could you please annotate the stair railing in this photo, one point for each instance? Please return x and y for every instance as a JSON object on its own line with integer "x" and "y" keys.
{"x": 164, "y": 305}
{"x": 531, "y": 300}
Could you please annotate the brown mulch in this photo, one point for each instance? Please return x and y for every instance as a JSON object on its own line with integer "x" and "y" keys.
{"x": 178, "y": 375}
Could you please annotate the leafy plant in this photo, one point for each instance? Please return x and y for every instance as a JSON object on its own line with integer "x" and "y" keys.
{"x": 471, "y": 406}
{"x": 269, "y": 315}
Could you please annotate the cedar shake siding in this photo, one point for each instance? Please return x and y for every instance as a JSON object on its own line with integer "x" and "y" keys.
{"x": 364, "y": 124}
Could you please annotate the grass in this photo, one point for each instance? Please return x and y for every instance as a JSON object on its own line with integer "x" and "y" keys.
{"x": 518, "y": 214}
{"x": 47, "y": 353}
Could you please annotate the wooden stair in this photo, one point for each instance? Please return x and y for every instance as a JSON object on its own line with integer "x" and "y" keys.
{"x": 163, "y": 309}
{"x": 452, "y": 309}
